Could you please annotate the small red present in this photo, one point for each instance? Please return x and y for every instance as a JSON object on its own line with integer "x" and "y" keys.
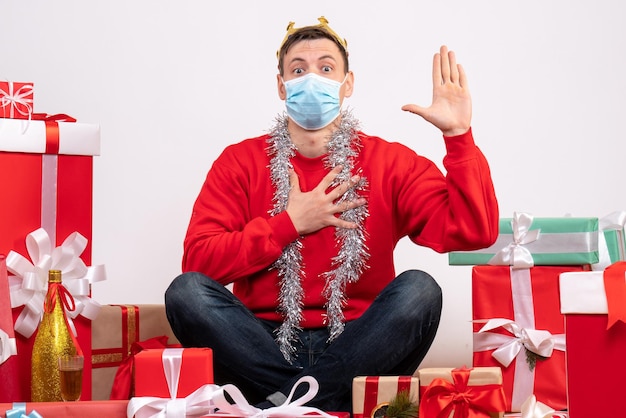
{"x": 594, "y": 304}
{"x": 519, "y": 327}
{"x": 16, "y": 100}
{"x": 370, "y": 393}
{"x": 461, "y": 393}
{"x": 192, "y": 368}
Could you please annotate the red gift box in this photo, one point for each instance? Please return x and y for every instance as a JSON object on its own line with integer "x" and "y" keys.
{"x": 522, "y": 307}
{"x": 369, "y": 393}
{"x": 52, "y": 191}
{"x": 16, "y": 100}
{"x": 596, "y": 361}
{"x": 196, "y": 370}
{"x": 461, "y": 392}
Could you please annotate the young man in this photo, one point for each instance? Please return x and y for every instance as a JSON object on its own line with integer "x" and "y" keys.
{"x": 303, "y": 222}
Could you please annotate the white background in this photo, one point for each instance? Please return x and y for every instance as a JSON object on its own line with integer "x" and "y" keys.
{"x": 173, "y": 82}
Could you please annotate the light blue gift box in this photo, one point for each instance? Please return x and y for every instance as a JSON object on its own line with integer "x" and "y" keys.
{"x": 559, "y": 241}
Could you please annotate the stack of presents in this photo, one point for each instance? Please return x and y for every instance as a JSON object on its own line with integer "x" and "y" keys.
{"x": 548, "y": 303}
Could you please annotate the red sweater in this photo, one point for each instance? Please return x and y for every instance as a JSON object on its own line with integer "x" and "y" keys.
{"x": 232, "y": 238}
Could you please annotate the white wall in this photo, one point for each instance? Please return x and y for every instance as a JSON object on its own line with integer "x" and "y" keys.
{"x": 173, "y": 82}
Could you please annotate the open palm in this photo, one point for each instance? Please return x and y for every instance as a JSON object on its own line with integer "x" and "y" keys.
{"x": 451, "y": 108}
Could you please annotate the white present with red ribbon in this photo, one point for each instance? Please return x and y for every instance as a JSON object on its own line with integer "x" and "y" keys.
{"x": 49, "y": 134}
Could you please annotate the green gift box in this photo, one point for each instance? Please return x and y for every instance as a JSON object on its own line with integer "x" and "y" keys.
{"x": 525, "y": 241}
{"x": 612, "y": 240}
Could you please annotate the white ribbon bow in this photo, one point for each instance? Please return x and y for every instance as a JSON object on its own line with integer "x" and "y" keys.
{"x": 29, "y": 285}
{"x": 515, "y": 254}
{"x": 14, "y": 99}
{"x": 241, "y": 407}
{"x": 531, "y": 408}
{"x": 198, "y": 403}
{"x": 507, "y": 347}
{"x": 8, "y": 346}
{"x": 207, "y": 398}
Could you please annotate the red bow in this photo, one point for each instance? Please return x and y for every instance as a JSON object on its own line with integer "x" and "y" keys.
{"x": 52, "y": 129}
{"x": 122, "y": 384}
{"x": 65, "y": 298}
{"x": 441, "y": 398}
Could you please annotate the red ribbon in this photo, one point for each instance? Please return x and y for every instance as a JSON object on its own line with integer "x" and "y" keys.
{"x": 441, "y": 398}
{"x": 56, "y": 291}
{"x": 122, "y": 384}
{"x": 615, "y": 287}
{"x": 52, "y": 129}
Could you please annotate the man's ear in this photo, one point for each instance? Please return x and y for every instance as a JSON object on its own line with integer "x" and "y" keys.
{"x": 282, "y": 93}
{"x": 348, "y": 85}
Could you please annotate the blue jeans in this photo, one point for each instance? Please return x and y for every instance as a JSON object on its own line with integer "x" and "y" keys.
{"x": 390, "y": 338}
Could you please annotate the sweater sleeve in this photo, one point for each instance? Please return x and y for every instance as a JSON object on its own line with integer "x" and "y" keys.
{"x": 225, "y": 240}
{"x": 458, "y": 211}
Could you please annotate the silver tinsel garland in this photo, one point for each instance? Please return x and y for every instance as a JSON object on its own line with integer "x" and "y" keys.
{"x": 351, "y": 260}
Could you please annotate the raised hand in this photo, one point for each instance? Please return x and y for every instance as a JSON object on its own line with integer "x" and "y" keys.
{"x": 451, "y": 108}
{"x": 314, "y": 210}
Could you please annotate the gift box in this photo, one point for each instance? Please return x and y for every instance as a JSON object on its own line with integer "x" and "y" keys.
{"x": 612, "y": 240}
{"x": 518, "y": 326}
{"x": 46, "y": 188}
{"x": 81, "y": 409}
{"x": 16, "y": 100}
{"x": 594, "y": 305}
{"x": 443, "y": 390}
{"x": 525, "y": 241}
{"x": 193, "y": 366}
{"x": 114, "y": 332}
{"x": 371, "y": 393}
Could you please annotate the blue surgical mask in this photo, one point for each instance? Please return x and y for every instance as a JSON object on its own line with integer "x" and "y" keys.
{"x": 313, "y": 101}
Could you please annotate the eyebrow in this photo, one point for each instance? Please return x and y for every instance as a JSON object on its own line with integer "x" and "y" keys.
{"x": 323, "y": 57}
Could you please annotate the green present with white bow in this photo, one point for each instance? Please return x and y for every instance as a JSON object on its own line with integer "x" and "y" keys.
{"x": 525, "y": 241}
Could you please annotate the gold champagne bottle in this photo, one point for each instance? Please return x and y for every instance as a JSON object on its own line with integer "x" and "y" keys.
{"x": 54, "y": 338}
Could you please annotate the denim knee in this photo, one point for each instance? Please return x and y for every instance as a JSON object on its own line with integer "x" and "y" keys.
{"x": 181, "y": 288}
{"x": 416, "y": 291}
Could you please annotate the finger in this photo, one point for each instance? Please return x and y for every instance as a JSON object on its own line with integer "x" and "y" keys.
{"x": 413, "y": 108}
{"x": 445, "y": 64}
{"x": 330, "y": 177}
{"x": 454, "y": 70}
{"x": 437, "y": 80}
{"x": 462, "y": 77}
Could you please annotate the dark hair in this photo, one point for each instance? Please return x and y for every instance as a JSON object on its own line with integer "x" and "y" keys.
{"x": 306, "y": 34}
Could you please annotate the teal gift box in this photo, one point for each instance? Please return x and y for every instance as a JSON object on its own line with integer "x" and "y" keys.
{"x": 524, "y": 241}
{"x": 612, "y": 240}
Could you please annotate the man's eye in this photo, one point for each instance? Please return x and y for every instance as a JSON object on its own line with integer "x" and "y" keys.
{"x": 298, "y": 71}
{"x": 327, "y": 69}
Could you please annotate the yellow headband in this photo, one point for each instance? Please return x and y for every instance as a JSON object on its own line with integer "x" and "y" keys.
{"x": 322, "y": 25}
